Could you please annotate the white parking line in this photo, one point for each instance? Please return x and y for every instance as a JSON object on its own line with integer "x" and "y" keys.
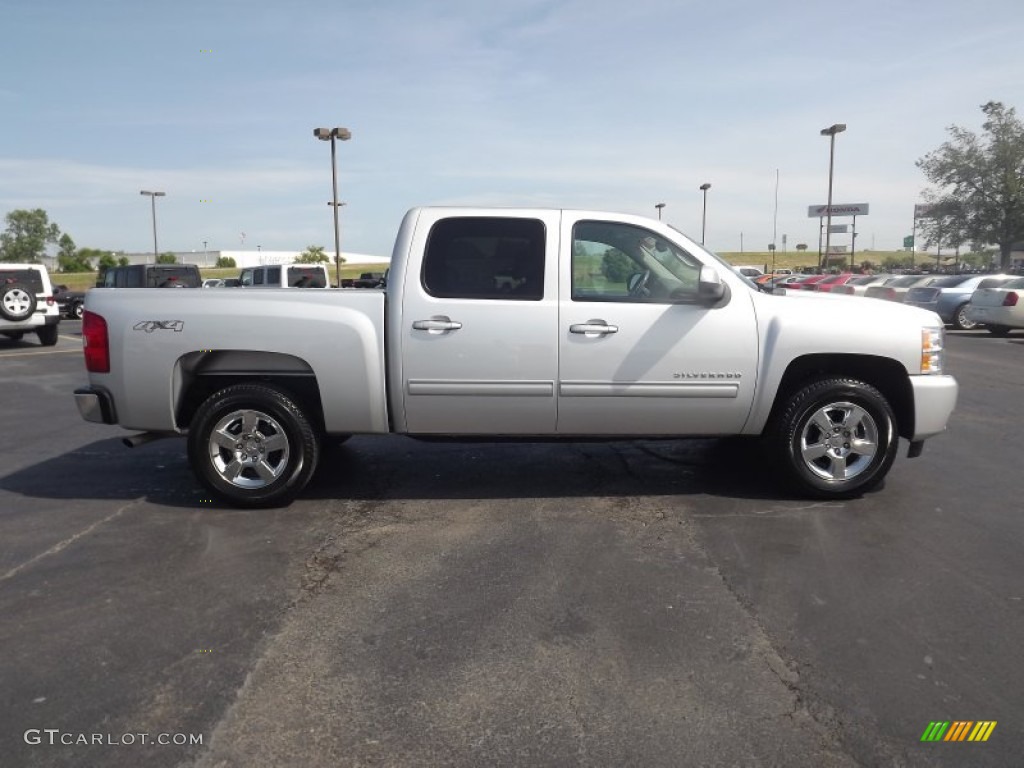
{"x": 41, "y": 352}
{"x": 68, "y": 541}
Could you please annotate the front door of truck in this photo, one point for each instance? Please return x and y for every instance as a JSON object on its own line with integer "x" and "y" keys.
{"x": 639, "y": 352}
{"x": 479, "y": 319}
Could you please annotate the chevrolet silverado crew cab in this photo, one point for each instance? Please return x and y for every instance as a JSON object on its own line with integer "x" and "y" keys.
{"x": 528, "y": 324}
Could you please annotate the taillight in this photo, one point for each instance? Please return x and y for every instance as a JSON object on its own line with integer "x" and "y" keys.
{"x": 1011, "y": 299}
{"x": 95, "y": 343}
{"x": 49, "y": 301}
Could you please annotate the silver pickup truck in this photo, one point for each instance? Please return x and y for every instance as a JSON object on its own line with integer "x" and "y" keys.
{"x": 534, "y": 324}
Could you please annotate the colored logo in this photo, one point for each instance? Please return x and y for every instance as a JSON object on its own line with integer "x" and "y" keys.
{"x": 959, "y": 730}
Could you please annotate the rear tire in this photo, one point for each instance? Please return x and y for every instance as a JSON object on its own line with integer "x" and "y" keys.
{"x": 47, "y": 335}
{"x": 998, "y": 330}
{"x": 836, "y": 438}
{"x": 960, "y": 320}
{"x": 253, "y": 446}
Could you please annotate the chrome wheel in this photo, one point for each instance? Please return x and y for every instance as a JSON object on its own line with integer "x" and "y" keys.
{"x": 839, "y": 441}
{"x": 835, "y": 438}
{"x": 249, "y": 449}
{"x": 962, "y": 322}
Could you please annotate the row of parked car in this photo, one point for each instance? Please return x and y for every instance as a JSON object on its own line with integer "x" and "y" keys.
{"x": 962, "y": 301}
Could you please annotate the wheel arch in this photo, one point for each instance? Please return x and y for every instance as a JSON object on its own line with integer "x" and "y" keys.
{"x": 198, "y": 375}
{"x": 886, "y": 375}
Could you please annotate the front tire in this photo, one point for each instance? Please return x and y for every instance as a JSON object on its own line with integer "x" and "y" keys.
{"x": 836, "y": 438}
{"x": 253, "y": 446}
{"x": 77, "y": 310}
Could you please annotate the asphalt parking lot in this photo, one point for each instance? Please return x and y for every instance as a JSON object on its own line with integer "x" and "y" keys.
{"x": 635, "y": 603}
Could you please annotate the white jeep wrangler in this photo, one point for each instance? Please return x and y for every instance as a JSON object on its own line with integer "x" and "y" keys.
{"x": 27, "y": 304}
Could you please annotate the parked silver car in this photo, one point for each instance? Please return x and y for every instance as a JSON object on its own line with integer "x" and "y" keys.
{"x": 896, "y": 290}
{"x": 950, "y": 296}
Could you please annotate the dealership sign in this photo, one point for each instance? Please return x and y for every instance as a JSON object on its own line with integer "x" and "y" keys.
{"x": 848, "y": 209}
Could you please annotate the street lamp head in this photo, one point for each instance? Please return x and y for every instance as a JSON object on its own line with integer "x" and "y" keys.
{"x": 705, "y": 187}
{"x": 832, "y": 130}
{"x": 152, "y": 194}
{"x": 326, "y": 134}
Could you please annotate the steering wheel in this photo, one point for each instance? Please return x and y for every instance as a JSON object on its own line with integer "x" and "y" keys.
{"x": 637, "y": 284}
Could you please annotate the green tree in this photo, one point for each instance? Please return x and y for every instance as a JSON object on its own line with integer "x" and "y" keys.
{"x": 313, "y": 254}
{"x": 616, "y": 266}
{"x": 225, "y": 262}
{"x": 890, "y": 263}
{"x": 106, "y": 259}
{"x": 980, "y": 182}
{"x": 27, "y": 235}
{"x": 167, "y": 258}
{"x": 123, "y": 261}
{"x": 68, "y": 258}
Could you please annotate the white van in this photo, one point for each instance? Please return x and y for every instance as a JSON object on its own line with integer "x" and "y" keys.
{"x": 285, "y": 276}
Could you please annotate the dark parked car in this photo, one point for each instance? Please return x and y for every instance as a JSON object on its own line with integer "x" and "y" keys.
{"x": 369, "y": 280}
{"x": 69, "y": 302}
{"x": 150, "y": 276}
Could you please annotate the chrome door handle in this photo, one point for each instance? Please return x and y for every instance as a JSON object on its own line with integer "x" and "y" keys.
{"x": 436, "y": 325}
{"x": 593, "y": 328}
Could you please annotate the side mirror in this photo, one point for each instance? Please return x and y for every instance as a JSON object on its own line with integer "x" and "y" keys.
{"x": 710, "y": 288}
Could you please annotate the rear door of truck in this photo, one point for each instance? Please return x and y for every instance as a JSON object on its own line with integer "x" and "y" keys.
{"x": 479, "y": 322}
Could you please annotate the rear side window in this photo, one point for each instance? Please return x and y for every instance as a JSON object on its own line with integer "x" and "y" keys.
{"x": 171, "y": 277}
{"x": 29, "y": 279}
{"x": 485, "y": 258}
{"x": 273, "y": 275}
{"x": 306, "y": 277}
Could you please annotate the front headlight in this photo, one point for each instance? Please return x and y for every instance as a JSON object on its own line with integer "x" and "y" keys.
{"x": 932, "y": 350}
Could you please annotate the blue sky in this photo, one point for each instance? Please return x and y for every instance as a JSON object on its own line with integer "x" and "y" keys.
{"x": 555, "y": 103}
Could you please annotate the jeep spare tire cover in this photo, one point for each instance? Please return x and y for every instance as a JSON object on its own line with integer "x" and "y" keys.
{"x": 16, "y": 303}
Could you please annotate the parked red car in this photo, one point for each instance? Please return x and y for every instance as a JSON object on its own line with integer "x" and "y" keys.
{"x": 808, "y": 283}
{"x": 832, "y": 281}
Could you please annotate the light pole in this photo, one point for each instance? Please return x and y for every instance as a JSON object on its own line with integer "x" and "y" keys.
{"x": 704, "y": 216}
{"x": 152, "y": 198}
{"x": 205, "y": 255}
{"x": 831, "y": 132}
{"x": 659, "y": 206}
{"x": 331, "y": 134}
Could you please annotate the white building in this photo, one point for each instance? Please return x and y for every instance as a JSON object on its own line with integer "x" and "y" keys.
{"x": 249, "y": 258}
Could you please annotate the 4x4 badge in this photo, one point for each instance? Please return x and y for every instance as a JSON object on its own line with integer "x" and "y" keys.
{"x": 159, "y": 325}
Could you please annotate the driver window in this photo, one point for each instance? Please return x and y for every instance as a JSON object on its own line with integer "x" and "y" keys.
{"x": 612, "y": 261}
